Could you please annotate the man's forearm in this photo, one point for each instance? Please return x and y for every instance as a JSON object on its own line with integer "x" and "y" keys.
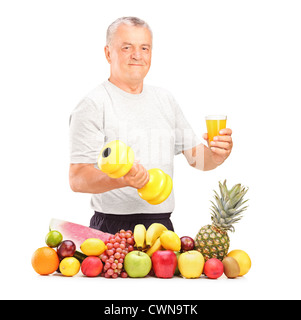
{"x": 88, "y": 179}
{"x": 209, "y": 164}
{"x": 200, "y": 157}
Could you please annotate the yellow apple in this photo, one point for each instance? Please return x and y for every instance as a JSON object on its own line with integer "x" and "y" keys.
{"x": 191, "y": 264}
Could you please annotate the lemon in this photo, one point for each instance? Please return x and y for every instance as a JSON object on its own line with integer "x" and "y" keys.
{"x": 93, "y": 247}
{"x": 243, "y": 260}
{"x": 170, "y": 240}
{"x": 53, "y": 238}
{"x": 69, "y": 267}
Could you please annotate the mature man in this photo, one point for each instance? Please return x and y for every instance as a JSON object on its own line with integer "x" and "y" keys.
{"x": 146, "y": 118}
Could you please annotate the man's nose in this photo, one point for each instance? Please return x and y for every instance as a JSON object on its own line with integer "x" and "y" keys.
{"x": 136, "y": 54}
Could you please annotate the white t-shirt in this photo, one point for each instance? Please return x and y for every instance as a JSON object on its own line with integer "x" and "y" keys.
{"x": 151, "y": 123}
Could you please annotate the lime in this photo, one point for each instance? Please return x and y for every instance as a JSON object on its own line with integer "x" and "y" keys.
{"x": 69, "y": 266}
{"x": 53, "y": 238}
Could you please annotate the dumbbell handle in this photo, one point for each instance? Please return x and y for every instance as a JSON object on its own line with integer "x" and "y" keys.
{"x": 116, "y": 160}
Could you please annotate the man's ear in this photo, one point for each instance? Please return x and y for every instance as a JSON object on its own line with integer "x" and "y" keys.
{"x": 107, "y": 53}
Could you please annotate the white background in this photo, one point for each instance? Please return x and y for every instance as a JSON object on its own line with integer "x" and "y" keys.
{"x": 241, "y": 58}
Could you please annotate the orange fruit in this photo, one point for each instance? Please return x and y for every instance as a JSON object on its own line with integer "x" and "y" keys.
{"x": 243, "y": 260}
{"x": 45, "y": 261}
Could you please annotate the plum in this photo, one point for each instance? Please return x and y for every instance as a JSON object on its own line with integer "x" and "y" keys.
{"x": 187, "y": 243}
{"x": 66, "y": 249}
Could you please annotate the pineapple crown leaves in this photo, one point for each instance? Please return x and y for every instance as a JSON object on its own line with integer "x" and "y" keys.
{"x": 228, "y": 206}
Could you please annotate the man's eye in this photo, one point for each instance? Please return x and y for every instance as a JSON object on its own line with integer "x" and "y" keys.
{"x": 126, "y": 48}
{"x": 145, "y": 49}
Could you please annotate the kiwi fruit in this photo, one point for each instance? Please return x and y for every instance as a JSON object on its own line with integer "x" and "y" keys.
{"x": 231, "y": 267}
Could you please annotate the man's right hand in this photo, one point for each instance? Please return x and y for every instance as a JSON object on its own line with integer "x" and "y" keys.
{"x": 137, "y": 177}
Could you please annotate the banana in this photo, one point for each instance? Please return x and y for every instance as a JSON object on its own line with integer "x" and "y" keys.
{"x": 155, "y": 247}
{"x": 139, "y": 236}
{"x": 153, "y": 233}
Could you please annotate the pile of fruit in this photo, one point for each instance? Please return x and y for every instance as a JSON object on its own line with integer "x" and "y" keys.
{"x": 155, "y": 251}
{"x": 95, "y": 257}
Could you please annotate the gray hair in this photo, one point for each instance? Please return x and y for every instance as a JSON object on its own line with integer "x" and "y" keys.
{"x": 130, "y": 21}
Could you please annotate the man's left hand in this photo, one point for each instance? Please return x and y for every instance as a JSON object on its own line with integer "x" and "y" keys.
{"x": 221, "y": 146}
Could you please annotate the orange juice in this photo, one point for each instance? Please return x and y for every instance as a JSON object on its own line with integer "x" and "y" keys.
{"x": 214, "y": 125}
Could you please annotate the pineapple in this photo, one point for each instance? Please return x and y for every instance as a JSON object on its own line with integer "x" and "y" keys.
{"x": 212, "y": 240}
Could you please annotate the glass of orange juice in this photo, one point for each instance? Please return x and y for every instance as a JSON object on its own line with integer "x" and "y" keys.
{"x": 214, "y": 125}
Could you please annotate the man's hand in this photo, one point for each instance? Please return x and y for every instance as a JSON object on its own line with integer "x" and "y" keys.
{"x": 137, "y": 177}
{"x": 222, "y": 145}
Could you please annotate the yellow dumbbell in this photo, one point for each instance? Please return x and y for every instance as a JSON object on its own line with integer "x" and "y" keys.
{"x": 116, "y": 160}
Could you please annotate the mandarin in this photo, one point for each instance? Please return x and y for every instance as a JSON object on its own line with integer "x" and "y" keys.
{"x": 45, "y": 261}
{"x": 243, "y": 260}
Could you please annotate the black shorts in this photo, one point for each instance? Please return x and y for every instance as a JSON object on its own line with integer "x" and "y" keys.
{"x": 113, "y": 223}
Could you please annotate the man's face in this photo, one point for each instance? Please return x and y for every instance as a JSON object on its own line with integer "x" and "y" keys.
{"x": 130, "y": 54}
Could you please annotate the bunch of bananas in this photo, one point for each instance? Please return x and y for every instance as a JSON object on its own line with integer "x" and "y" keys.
{"x": 148, "y": 240}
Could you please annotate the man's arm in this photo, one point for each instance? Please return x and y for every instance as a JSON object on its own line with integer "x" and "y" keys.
{"x": 85, "y": 178}
{"x": 204, "y": 158}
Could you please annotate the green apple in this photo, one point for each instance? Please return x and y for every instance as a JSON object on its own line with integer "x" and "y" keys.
{"x": 137, "y": 264}
{"x": 177, "y": 271}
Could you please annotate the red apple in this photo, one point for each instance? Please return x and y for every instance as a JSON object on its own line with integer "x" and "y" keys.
{"x": 213, "y": 268}
{"x": 91, "y": 266}
{"x": 187, "y": 243}
{"x": 164, "y": 263}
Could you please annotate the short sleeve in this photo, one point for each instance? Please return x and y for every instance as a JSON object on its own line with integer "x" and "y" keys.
{"x": 185, "y": 137}
{"x": 86, "y": 134}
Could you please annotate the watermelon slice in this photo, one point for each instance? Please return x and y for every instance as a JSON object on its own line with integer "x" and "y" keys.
{"x": 76, "y": 232}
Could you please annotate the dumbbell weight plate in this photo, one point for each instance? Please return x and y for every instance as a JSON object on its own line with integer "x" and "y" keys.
{"x": 158, "y": 188}
{"x": 116, "y": 159}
